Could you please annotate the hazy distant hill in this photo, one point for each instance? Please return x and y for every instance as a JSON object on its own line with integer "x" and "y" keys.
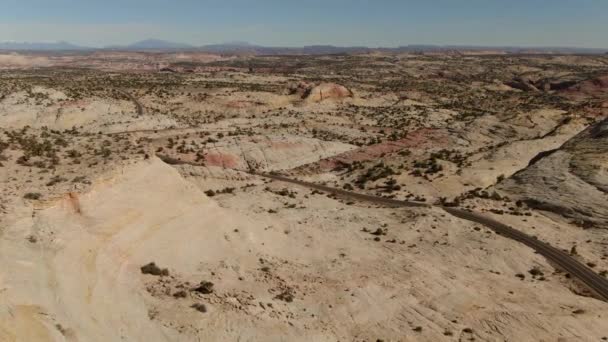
{"x": 252, "y": 49}
{"x": 40, "y": 46}
{"x": 154, "y": 44}
{"x": 266, "y": 50}
{"x": 230, "y": 47}
{"x": 330, "y": 49}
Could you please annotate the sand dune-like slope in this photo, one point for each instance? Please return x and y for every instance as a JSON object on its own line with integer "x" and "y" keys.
{"x": 45, "y": 107}
{"x": 83, "y": 271}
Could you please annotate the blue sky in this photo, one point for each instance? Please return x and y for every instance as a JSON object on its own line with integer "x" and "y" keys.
{"x": 580, "y": 23}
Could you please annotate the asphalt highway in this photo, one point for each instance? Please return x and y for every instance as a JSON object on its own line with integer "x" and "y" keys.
{"x": 595, "y": 282}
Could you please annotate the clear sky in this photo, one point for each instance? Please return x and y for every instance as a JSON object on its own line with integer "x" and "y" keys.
{"x": 577, "y": 23}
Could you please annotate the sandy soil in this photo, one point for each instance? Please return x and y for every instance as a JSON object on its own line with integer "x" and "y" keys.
{"x": 86, "y": 200}
{"x": 80, "y": 279}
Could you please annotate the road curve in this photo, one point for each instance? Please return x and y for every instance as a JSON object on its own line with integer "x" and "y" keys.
{"x": 595, "y": 282}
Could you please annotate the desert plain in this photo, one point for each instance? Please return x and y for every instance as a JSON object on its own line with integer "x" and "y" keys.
{"x": 134, "y": 206}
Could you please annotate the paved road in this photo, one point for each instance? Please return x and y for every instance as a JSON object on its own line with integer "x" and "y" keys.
{"x": 592, "y": 280}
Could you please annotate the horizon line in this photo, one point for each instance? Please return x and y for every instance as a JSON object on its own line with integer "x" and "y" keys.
{"x": 245, "y": 44}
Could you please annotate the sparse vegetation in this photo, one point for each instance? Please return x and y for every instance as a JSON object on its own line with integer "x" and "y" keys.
{"x": 453, "y": 130}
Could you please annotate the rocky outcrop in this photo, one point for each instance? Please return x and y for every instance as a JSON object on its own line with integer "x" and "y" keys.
{"x": 594, "y": 88}
{"x": 328, "y": 91}
{"x": 522, "y": 83}
{"x": 536, "y": 84}
{"x": 571, "y": 181}
{"x": 318, "y": 93}
{"x": 301, "y": 89}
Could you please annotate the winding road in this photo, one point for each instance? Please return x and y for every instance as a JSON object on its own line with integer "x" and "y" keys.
{"x": 595, "y": 282}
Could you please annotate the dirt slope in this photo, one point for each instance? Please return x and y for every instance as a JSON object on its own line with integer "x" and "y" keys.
{"x": 72, "y": 269}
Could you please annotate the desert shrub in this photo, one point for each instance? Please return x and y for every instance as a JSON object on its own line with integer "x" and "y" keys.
{"x": 200, "y": 307}
{"x": 205, "y": 287}
{"x": 152, "y": 269}
{"x": 32, "y": 196}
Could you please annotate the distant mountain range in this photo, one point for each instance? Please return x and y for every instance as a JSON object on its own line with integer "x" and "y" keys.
{"x": 153, "y": 44}
{"x": 247, "y": 48}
